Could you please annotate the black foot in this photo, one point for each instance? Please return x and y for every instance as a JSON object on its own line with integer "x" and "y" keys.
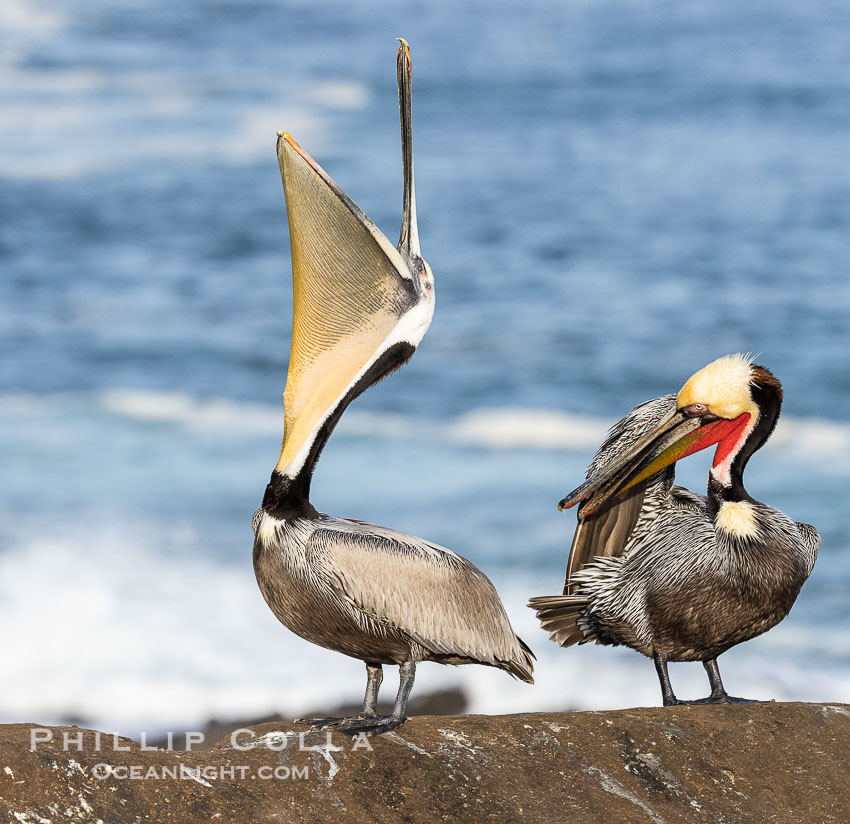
{"x": 370, "y": 725}
{"x": 723, "y": 699}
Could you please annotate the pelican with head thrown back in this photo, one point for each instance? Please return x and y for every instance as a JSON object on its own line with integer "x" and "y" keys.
{"x": 361, "y": 307}
{"x": 675, "y": 575}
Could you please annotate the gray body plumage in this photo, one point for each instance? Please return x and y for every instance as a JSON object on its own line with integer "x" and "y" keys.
{"x": 655, "y": 572}
{"x": 382, "y": 596}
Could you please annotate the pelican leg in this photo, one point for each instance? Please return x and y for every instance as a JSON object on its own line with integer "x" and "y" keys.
{"x": 373, "y": 724}
{"x": 375, "y": 673}
{"x": 718, "y": 693}
{"x": 667, "y": 695}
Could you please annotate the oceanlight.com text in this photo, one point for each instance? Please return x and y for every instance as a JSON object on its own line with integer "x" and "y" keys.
{"x": 202, "y": 775}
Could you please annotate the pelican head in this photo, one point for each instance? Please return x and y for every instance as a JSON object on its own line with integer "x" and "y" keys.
{"x": 722, "y": 388}
{"x": 720, "y": 404}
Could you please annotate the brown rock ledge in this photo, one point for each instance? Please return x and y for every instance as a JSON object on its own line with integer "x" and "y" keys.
{"x": 751, "y": 763}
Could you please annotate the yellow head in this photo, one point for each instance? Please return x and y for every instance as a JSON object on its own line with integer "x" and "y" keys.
{"x": 723, "y": 387}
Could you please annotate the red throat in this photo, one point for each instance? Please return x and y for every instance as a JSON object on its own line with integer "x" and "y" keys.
{"x": 723, "y": 432}
{"x": 730, "y": 437}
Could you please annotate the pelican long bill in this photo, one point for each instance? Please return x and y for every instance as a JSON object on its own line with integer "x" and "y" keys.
{"x": 675, "y": 437}
{"x": 408, "y": 243}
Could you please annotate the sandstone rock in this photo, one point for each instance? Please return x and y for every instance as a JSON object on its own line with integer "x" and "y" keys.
{"x": 771, "y": 763}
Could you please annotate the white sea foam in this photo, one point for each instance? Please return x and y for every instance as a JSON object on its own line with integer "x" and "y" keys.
{"x": 23, "y": 404}
{"x": 90, "y": 139}
{"x": 56, "y": 124}
{"x": 515, "y": 427}
{"x": 28, "y": 17}
{"x": 183, "y": 410}
{"x": 142, "y": 628}
{"x": 812, "y": 437}
{"x": 341, "y": 94}
{"x": 488, "y": 428}
{"x": 253, "y": 135}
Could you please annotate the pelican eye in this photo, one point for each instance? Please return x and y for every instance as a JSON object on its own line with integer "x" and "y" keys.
{"x": 695, "y": 410}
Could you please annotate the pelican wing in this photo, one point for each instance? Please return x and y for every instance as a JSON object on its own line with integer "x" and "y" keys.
{"x": 607, "y": 531}
{"x": 355, "y": 297}
{"x": 629, "y": 430}
{"x": 811, "y": 540}
{"x": 443, "y": 601}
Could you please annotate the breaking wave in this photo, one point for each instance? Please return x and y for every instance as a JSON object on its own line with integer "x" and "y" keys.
{"x": 488, "y": 427}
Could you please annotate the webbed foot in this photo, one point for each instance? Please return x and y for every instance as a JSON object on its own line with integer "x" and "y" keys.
{"x": 353, "y": 725}
{"x": 723, "y": 699}
{"x": 375, "y": 725}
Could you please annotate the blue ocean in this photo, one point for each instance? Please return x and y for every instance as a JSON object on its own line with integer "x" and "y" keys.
{"x": 611, "y": 193}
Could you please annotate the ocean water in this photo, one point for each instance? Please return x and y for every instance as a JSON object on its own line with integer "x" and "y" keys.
{"x": 611, "y": 194}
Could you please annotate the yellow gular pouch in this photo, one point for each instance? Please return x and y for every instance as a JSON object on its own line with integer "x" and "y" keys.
{"x": 723, "y": 387}
{"x": 737, "y": 518}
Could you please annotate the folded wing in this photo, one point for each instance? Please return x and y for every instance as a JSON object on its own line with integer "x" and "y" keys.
{"x": 443, "y": 601}
{"x": 606, "y": 532}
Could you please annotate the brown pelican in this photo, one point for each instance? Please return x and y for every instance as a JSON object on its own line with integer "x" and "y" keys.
{"x": 672, "y": 574}
{"x": 361, "y": 306}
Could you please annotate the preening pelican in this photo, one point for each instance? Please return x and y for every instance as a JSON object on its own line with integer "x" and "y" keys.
{"x": 361, "y": 307}
{"x": 672, "y": 574}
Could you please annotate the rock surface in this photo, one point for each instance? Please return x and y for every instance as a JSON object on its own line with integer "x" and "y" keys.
{"x": 746, "y": 763}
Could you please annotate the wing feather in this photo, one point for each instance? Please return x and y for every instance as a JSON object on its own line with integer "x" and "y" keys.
{"x": 630, "y": 429}
{"x": 605, "y": 533}
{"x": 811, "y": 540}
{"x": 442, "y": 600}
